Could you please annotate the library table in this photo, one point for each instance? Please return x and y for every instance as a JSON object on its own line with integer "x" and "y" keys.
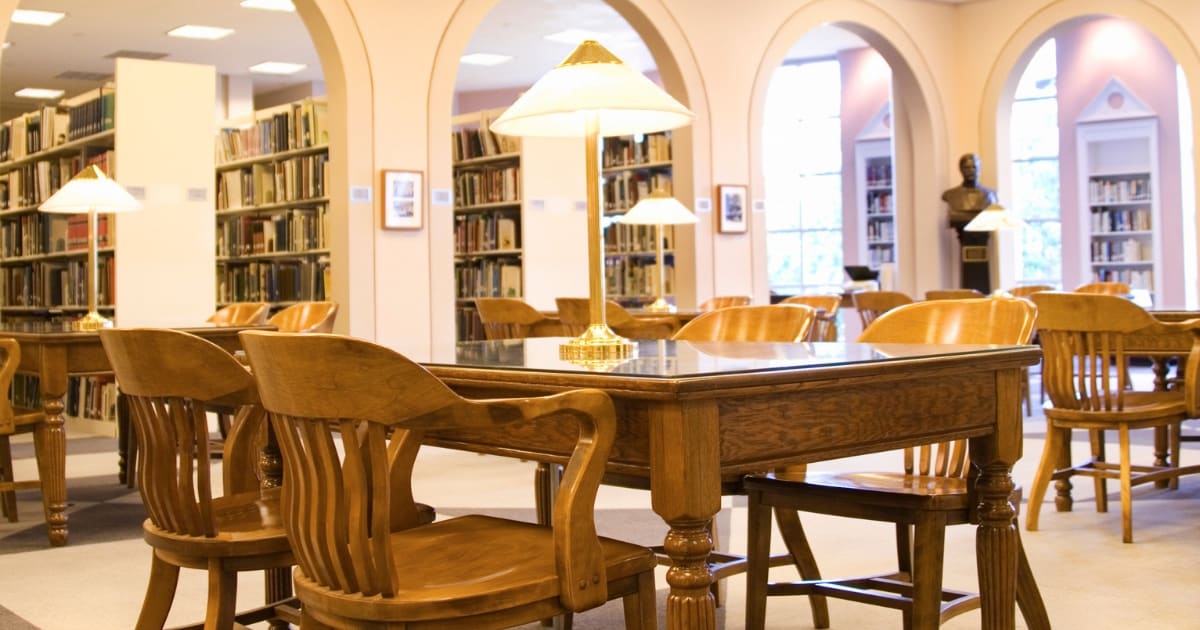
{"x": 695, "y": 416}
{"x": 53, "y": 351}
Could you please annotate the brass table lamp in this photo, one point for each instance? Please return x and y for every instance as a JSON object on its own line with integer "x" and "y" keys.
{"x": 658, "y": 209}
{"x": 593, "y": 94}
{"x": 91, "y": 192}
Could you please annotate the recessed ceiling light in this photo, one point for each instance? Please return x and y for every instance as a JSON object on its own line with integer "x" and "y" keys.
{"x": 277, "y": 67}
{"x": 573, "y": 36}
{"x": 484, "y": 59}
{"x": 195, "y": 31}
{"x": 37, "y": 18}
{"x": 269, "y": 5}
{"x": 41, "y": 93}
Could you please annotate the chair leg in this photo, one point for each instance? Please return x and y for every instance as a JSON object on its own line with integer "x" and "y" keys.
{"x": 1174, "y": 443}
{"x": 929, "y": 550}
{"x": 1041, "y": 480}
{"x": 1097, "y": 439}
{"x": 222, "y": 596}
{"x": 758, "y": 560}
{"x": 8, "y": 498}
{"x": 1126, "y": 486}
{"x": 793, "y": 535}
{"x": 640, "y": 612}
{"x": 160, "y": 592}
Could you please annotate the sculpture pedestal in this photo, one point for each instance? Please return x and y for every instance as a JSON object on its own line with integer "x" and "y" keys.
{"x": 973, "y": 255}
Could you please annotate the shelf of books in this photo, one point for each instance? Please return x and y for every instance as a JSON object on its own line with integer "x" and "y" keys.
{"x": 633, "y": 167}
{"x": 873, "y": 161}
{"x": 271, "y": 206}
{"x": 43, "y": 257}
{"x": 1118, "y": 179}
{"x": 487, "y": 217}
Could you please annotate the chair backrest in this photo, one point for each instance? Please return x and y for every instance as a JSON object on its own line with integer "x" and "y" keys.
{"x": 12, "y": 358}
{"x": 512, "y": 318}
{"x": 872, "y": 304}
{"x": 575, "y": 315}
{"x": 306, "y": 317}
{"x": 1104, "y": 288}
{"x": 996, "y": 320}
{"x": 241, "y": 314}
{"x": 825, "y": 326}
{"x": 953, "y": 294}
{"x": 763, "y": 322}
{"x": 169, "y": 377}
{"x": 338, "y": 509}
{"x": 1027, "y": 290}
{"x": 1083, "y": 347}
{"x": 724, "y": 301}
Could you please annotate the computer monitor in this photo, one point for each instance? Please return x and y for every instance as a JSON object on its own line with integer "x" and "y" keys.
{"x": 859, "y": 273}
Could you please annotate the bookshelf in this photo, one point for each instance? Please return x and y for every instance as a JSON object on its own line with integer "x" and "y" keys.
{"x": 271, "y": 206}
{"x": 1117, "y": 144}
{"x": 488, "y": 234}
{"x": 632, "y": 167}
{"x": 874, "y": 189}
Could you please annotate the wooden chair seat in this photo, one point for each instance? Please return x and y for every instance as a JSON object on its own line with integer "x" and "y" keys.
{"x": 241, "y": 518}
{"x": 518, "y": 569}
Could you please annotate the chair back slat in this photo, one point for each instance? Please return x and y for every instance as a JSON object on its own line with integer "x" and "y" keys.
{"x": 170, "y": 378}
{"x": 825, "y": 326}
{"x": 773, "y": 322}
{"x": 1000, "y": 320}
{"x": 872, "y": 304}
{"x": 306, "y": 317}
{"x": 724, "y": 301}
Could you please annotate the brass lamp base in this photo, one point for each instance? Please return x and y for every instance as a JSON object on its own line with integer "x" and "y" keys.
{"x": 92, "y": 321}
{"x": 659, "y": 306}
{"x": 597, "y": 343}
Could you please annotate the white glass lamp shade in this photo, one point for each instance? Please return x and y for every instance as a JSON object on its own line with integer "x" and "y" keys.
{"x": 658, "y": 208}
{"x": 91, "y": 190}
{"x": 992, "y": 218}
{"x": 592, "y": 81}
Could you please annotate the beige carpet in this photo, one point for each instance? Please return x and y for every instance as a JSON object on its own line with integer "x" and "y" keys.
{"x": 1087, "y": 576}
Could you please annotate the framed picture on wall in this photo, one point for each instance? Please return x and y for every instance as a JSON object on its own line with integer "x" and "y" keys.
{"x": 731, "y": 208}
{"x": 402, "y": 200}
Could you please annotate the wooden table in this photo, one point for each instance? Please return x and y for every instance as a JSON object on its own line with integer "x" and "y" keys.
{"x": 693, "y": 416}
{"x": 53, "y": 351}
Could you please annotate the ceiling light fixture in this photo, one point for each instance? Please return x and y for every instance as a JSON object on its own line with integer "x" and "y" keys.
{"x": 484, "y": 59}
{"x": 39, "y": 93}
{"x": 269, "y": 5}
{"x": 194, "y": 31}
{"x": 36, "y": 18}
{"x": 277, "y": 67}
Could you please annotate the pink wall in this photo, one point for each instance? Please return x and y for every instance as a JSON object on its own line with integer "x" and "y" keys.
{"x": 865, "y": 89}
{"x": 1090, "y": 53}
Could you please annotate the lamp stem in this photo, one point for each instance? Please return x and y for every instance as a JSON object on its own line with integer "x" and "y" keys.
{"x": 93, "y": 320}
{"x": 660, "y": 305}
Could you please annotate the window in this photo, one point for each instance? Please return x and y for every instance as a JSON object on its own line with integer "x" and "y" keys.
{"x": 1034, "y": 152}
{"x": 802, "y": 158}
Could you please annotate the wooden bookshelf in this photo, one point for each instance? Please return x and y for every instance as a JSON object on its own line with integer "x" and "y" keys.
{"x": 633, "y": 167}
{"x": 271, "y": 206}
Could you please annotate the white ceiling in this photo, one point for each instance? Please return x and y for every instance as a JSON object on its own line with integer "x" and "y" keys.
{"x": 96, "y": 28}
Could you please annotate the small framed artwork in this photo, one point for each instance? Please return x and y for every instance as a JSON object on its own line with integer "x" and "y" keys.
{"x": 731, "y": 208}
{"x": 402, "y": 200}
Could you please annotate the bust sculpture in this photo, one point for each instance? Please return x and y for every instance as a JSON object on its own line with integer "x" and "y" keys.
{"x": 969, "y": 198}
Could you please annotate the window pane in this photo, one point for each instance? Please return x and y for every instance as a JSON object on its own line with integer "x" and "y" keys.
{"x": 823, "y": 257}
{"x": 1041, "y": 253}
{"x": 1034, "y": 129}
{"x": 1036, "y": 190}
{"x": 822, "y": 203}
{"x": 1040, "y": 75}
{"x": 783, "y": 258}
{"x": 818, "y": 147}
{"x": 783, "y": 203}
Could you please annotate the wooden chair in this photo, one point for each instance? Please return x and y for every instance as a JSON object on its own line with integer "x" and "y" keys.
{"x": 764, "y": 322}
{"x": 576, "y": 317}
{"x": 512, "y": 318}
{"x": 872, "y": 304}
{"x": 825, "y": 326}
{"x": 241, "y": 314}
{"x": 1083, "y": 358}
{"x": 930, "y": 494}
{"x": 169, "y": 377}
{"x": 953, "y": 294}
{"x": 1104, "y": 288}
{"x": 361, "y": 562}
{"x": 15, "y": 420}
{"x": 306, "y": 317}
{"x": 723, "y": 301}
{"x": 1027, "y": 290}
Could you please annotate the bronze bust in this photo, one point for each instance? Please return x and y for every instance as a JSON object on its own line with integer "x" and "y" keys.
{"x": 970, "y": 198}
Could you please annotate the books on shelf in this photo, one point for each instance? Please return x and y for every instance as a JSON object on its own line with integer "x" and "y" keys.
{"x": 289, "y": 127}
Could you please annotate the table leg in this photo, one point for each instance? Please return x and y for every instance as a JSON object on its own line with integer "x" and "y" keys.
{"x": 50, "y": 444}
{"x": 686, "y": 492}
